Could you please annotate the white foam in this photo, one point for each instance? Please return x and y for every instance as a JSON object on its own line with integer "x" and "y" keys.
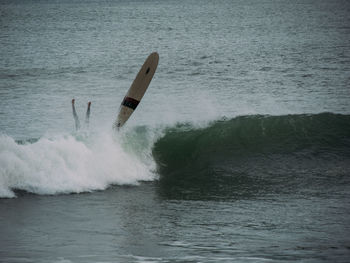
{"x": 65, "y": 164}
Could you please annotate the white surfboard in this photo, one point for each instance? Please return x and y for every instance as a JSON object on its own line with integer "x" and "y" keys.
{"x": 137, "y": 90}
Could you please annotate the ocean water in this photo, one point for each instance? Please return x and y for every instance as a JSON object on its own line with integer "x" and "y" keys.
{"x": 238, "y": 152}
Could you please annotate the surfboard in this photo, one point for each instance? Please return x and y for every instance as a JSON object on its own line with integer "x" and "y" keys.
{"x": 137, "y": 90}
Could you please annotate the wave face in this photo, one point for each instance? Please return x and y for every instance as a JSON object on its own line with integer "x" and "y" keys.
{"x": 242, "y": 156}
{"x": 250, "y": 154}
{"x": 67, "y": 164}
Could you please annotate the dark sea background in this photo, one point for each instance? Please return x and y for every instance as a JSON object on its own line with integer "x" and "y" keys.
{"x": 238, "y": 152}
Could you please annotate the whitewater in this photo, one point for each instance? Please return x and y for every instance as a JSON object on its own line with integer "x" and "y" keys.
{"x": 67, "y": 164}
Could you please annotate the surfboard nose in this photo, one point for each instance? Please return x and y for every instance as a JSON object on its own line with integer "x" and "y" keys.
{"x": 154, "y": 57}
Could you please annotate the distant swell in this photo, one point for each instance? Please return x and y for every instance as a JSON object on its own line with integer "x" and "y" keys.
{"x": 255, "y": 153}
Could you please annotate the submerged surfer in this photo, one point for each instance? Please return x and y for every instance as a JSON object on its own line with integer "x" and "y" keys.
{"x": 76, "y": 118}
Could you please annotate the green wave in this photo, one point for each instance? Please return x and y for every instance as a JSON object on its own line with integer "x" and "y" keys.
{"x": 253, "y": 153}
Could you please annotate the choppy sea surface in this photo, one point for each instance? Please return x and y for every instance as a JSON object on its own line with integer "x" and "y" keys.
{"x": 238, "y": 152}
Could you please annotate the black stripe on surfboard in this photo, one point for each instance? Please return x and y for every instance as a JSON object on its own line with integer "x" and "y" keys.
{"x": 130, "y": 103}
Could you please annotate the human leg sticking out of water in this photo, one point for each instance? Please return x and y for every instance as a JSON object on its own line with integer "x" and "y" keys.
{"x": 87, "y": 117}
{"x": 76, "y": 119}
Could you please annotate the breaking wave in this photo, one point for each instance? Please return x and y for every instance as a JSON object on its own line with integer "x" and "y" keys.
{"x": 242, "y": 153}
{"x": 67, "y": 164}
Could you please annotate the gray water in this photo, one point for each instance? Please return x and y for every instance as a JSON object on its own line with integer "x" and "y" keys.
{"x": 96, "y": 196}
